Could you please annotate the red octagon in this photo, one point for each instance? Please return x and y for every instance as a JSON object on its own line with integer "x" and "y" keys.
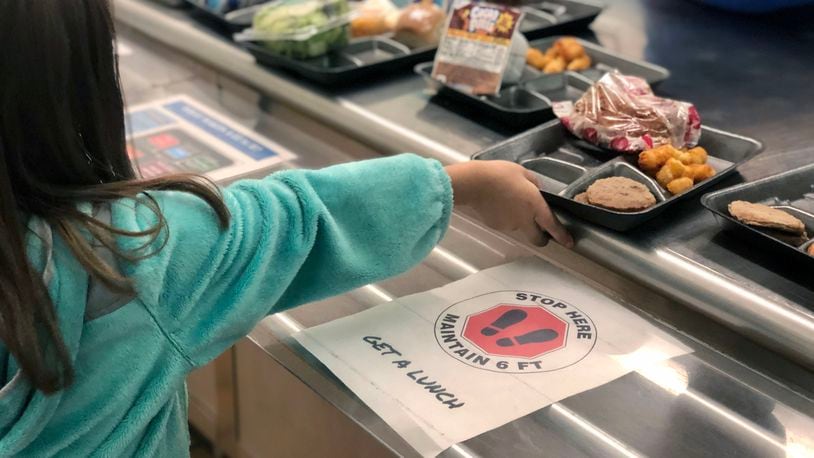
{"x": 516, "y": 331}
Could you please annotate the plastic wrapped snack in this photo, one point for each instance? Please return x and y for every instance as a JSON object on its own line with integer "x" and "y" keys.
{"x": 517, "y": 59}
{"x": 621, "y": 113}
{"x": 420, "y": 25}
{"x": 301, "y": 29}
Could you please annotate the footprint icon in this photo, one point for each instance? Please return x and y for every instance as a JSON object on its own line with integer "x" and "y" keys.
{"x": 509, "y": 318}
{"x": 538, "y": 336}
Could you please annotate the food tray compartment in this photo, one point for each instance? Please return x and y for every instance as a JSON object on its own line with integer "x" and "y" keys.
{"x": 604, "y": 60}
{"x": 551, "y": 140}
{"x": 555, "y": 175}
{"x": 791, "y": 191}
{"x": 615, "y": 168}
{"x": 231, "y": 22}
{"x": 362, "y": 58}
{"x": 521, "y": 105}
{"x": 557, "y": 17}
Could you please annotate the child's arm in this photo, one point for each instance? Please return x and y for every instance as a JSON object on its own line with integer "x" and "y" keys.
{"x": 295, "y": 237}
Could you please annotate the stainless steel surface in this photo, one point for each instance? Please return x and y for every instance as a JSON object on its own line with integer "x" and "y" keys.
{"x": 682, "y": 254}
{"x": 703, "y": 404}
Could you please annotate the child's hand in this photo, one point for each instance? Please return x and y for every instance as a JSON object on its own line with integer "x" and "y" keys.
{"x": 506, "y": 197}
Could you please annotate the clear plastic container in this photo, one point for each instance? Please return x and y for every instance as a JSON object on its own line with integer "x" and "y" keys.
{"x": 301, "y": 29}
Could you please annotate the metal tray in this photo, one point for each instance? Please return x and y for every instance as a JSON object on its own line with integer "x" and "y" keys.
{"x": 566, "y": 166}
{"x": 361, "y": 59}
{"x": 604, "y": 61}
{"x": 348, "y": 67}
{"x": 791, "y": 191}
{"x": 231, "y": 22}
{"x": 555, "y": 17}
{"x": 528, "y": 102}
{"x": 521, "y": 105}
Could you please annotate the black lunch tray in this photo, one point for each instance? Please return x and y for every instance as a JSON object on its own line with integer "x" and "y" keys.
{"x": 522, "y": 105}
{"x": 528, "y": 102}
{"x": 567, "y": 165}
{"x": 375, "y": 56}
{"x": 360, "y": 60}
{"x": 791, "y": 191}
{"x": 231, "y": 22}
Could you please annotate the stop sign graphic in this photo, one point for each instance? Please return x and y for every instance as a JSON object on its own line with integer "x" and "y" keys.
{"x": 520, "y": 331}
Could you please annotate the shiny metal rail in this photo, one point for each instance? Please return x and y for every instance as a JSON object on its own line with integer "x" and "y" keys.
{"x": 773, "y": 320}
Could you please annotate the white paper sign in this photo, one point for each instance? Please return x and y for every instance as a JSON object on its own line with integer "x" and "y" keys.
{"x": 179, "y": 134}
{"x": 444, "y": 366}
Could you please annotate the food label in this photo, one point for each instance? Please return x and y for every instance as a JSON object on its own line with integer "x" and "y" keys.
{"x": 474, "y": 51}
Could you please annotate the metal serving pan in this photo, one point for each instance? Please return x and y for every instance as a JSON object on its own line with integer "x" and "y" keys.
{"x": 351, "y": 66}
{"x": 528, "y": 102}
{"x": 567, "y": 165}
{"x": 791, "y": 191}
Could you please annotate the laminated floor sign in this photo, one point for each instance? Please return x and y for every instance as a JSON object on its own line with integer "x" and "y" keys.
{"x": 178, "y": 134}
{"x": 446, "y": 365}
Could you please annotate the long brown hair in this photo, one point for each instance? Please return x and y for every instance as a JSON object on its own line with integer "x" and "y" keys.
{"x": 62, "y": 142}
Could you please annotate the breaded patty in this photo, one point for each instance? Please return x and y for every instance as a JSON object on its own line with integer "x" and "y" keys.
{"x": 811, "y": 249}
{"x": 582, "y": 198}
{"x": 620, "y": 194}
{"x": 760, "y": 215}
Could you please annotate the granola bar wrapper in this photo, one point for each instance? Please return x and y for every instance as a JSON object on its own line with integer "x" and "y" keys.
{"x": 621, "y": 113}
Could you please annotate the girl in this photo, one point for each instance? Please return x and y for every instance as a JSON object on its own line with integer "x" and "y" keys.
{"x": 112, "y": 288}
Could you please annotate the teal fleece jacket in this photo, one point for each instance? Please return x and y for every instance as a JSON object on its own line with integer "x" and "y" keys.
{"x": 295, "y": 237}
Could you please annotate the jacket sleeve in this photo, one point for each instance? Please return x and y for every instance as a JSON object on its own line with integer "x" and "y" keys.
{"x": 294, "y": 237}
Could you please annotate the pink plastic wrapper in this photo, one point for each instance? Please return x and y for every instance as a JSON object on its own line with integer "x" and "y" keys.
{"x": 621, "y": 113}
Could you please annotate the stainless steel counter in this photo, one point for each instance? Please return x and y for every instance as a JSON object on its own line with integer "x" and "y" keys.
{"x": 703, "y": 404}
{"x": 682, "y": 255}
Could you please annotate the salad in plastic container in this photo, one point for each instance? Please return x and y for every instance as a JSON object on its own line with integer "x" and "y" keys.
{"x": 301, "y": 29}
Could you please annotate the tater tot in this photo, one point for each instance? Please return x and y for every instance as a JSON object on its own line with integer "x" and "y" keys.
{"x": 654, "y": 159}
{"x": 699, "y": 172}
{"x": 569, "y": 49}
{"x": 696, "y": 155}
{"x": 671, "y": 170}
{"x": 679, "y": 185}
{"x": 580, "y": 63}
{"x": 555, "y": 66}
{"x": 536, "y": 58}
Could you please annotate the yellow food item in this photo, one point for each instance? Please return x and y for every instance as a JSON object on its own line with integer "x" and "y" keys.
{"x": 580, "y": 63}
{"x": 537, "y": 58}
{"x": 672, "y": 169}
{"x": 555, "y": 66}
{"x": 565, "y": 54}
{"x": 699, "y": 172}
{"x": 695, "y": 155}
{"x": 679, "y": 185}
{"x": 650, "y": 161}
{"x": 367, "y": 25}
{"x": 569, "y": 48}
{"x": 676, "y": 169}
